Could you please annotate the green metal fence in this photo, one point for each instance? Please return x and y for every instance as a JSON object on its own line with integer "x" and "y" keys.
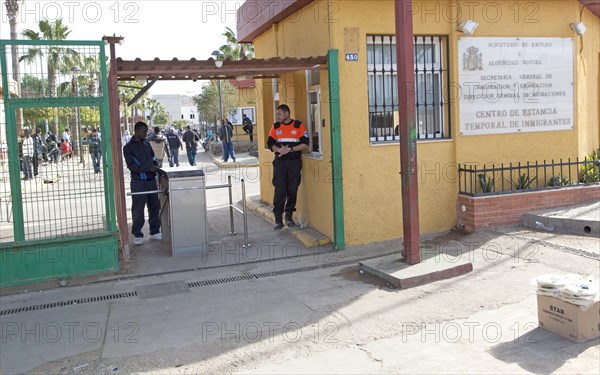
{"x": 57, "y": 215}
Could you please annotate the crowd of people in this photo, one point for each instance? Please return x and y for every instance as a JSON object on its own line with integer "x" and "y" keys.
{"x": 166, "y": 143}
{"x": 34, "y": 149}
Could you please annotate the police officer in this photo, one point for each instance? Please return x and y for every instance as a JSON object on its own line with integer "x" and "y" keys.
{"x": 143, "y": 166}
{"x": 287, "y": 139}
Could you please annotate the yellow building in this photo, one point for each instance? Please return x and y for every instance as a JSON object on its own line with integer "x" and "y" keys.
{"x": 522, "y": 87}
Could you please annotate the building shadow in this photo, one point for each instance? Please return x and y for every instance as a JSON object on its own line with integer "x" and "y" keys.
{"x": 540, "y": 351}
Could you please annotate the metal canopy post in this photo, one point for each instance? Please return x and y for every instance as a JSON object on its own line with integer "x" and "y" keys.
{"x": 117, "y": 150}
{"x": 407, "y": 130}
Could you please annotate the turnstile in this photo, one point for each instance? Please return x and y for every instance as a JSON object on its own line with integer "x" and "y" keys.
{"x": 183, "y": 210}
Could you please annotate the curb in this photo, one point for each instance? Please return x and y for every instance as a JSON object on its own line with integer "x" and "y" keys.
{"x": 308, "y": 236}
{"x": 222, "y": 164}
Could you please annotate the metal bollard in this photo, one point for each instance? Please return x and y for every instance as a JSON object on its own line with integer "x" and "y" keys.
{"x": 232, "y": 232}
{"x": 245, "y": 216}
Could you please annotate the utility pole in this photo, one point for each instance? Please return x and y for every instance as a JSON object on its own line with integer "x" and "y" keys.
{"x": 407, "y": 130}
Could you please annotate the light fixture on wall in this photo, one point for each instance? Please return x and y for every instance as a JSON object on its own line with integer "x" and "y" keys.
{"x": 467, "y": 27}
{"x": 218, "y": 54}
{"x": 579, "y": 28}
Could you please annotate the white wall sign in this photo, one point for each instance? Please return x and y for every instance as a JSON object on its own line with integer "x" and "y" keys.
{"x": 236, "y": 117}
{"x": 510, "y": 85}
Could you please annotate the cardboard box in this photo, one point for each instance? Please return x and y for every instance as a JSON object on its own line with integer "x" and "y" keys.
{"x": 569, "y": 320}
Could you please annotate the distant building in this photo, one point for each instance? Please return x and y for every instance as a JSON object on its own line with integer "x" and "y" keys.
{"x": 180, "y": 107}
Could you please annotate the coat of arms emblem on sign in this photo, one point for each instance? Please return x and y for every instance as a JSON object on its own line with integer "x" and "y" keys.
{"x": 472, "y": 59}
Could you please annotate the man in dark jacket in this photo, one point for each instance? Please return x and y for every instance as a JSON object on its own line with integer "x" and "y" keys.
{"x": 248, "y": 127}
{"x": 95, "y": 149}
{"x": 144, "y": 167}
{"x": 226, "y": 137}
{"x": 191, "y": 139}
{"x": 38, "y": 150}
{"x": 52, "y": 148}
{"x": 174, "y": 145}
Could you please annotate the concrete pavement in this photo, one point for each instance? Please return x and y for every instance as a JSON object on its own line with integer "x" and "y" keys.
{"x": 311, "y": 314}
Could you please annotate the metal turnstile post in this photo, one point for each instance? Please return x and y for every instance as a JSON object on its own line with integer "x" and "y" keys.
{"x": 232, "y": 232}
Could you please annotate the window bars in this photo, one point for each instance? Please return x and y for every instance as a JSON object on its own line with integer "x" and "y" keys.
{"x": 432, "y": 82}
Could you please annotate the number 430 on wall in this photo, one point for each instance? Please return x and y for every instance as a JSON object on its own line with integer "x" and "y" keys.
{"x": 352, "y": 57}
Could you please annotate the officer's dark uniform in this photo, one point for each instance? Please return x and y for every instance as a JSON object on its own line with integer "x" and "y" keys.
{"x": 139, "y": 158}
{"x": 286, "y": 168}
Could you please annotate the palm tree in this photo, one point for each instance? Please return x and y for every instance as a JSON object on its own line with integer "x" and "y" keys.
{"x": 154, "y": 107}
{"x": 12, "y": 11}
{"x": 91, "y": 65}
{"x": 58, "y": 58}
{"x": 233, "y": 50}
{"x": 127, "y": 92}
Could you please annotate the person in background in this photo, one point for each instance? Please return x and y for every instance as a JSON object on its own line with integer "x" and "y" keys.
{"x": 126, "y": 137}
{"x": 248, "y": 127}
{"x": 28, "y": 153}
{"x": 85, "y": 150}
{"x": 226, "y": 137}
{"x": 95, "y": 149}
{"x": 175, "y": 144}
{"x": 38, "y": 150}
{"x": 66, "y": 135}
{"x": 66, "y": 149}
{"x": 191, "y": 139}
{"x": 160, "y": 146}
{"x": 52, "y": 147}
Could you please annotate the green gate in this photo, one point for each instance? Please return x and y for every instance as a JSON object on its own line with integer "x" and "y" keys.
{"x": 60, "y": 223}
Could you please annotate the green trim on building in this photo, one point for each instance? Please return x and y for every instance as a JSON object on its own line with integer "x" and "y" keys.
{"x": 336, "y": 149}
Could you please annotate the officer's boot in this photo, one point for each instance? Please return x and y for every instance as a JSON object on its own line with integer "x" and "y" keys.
{"x": 288, "y": 219}
{"x": 278, "y": 223}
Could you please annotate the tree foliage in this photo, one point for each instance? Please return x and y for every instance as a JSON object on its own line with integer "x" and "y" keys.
{"x": 208, "y": 101}
{"x": 233, "y": 50}
{"x": 157, "y": 112}
{"x": 181, "y": 123}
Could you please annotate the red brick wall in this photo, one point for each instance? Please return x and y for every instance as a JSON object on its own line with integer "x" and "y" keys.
{"x": 498, "y": 210}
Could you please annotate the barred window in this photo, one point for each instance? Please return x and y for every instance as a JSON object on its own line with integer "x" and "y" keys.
{"x": 431, "y": 84}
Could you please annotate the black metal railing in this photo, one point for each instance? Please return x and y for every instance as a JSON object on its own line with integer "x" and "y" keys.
{"x": 496, "y": 179}
{"x": 432, "y": 80}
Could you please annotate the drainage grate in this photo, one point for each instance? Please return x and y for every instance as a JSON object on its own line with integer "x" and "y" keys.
{"x": 108, "y": 297}
{"x": 288, "y": 271}
{"x": 221, "y": 281}
{"x": 195, "y": 284}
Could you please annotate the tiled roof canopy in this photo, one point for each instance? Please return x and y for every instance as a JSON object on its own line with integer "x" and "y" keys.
{"x": 129, "y": 70}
